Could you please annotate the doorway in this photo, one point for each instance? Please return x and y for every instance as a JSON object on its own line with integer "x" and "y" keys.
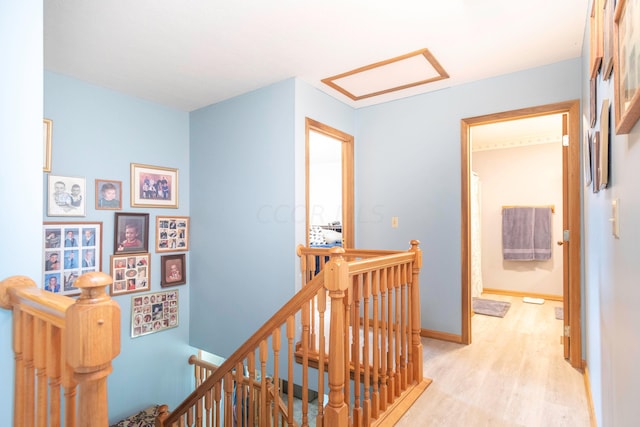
{"x": 329, "y": 184}
{"x": 570, "y": 223}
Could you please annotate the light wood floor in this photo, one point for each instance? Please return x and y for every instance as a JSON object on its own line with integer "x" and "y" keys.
{"x": 513, "y": 374}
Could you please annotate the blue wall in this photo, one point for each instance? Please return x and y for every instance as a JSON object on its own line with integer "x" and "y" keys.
{"x": 242, "y": 172}
{"x": 408, "y": 165}
{"x": 21, "y": 171}
{"x": 97, "y": 133}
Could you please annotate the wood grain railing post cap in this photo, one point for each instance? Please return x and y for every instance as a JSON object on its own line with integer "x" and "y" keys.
{"x": 13, "y": 282}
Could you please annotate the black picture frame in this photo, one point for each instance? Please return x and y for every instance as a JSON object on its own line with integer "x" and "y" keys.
{"x": 138, "y": 223}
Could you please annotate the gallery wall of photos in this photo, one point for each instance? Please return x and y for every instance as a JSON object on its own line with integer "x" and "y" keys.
{"x": 72, "y": 247}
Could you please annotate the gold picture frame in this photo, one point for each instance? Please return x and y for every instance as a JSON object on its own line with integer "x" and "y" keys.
{"x": 154, "y": 186}
{"x": 47, "y": 130}
{"x": 625, "y": 66}
{"x": 172, "y": 233}
{"x": 596, "y": 39}
{"x": 130, "y": 273}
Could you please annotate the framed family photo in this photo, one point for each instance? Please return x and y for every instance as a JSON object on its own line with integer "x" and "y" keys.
{"x": 108, "y": 194}
{"x": 154, "y": 312}
{"x": 131, "y": 233}
{"x": 154, "y": 186}
{"x": 66, "y": 196}
{"x": 47, "y": 130}
{"x": 172, "y": 233}
{"x": 70, "y": 249}
{"x": 130, "y": 273}
{"x": 173, "y": 270}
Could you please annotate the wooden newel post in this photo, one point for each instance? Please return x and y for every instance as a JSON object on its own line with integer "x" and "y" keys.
{"x": 336, "y": 281}
{"x": 92, "y": 341}
{"x": 416, "y": 343}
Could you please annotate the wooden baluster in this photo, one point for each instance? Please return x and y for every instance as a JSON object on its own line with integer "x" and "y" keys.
{"x": 251, "y": 394}
{"x": 290, "y": 376}
{"x": 403, "y": 327}
{"x": 276, "y": 345}
{"x": 322, "y": 307}
{"x": 390, "y": 341}
{"x": 264, "y": 357}
{"x": 239, "y": 398}
{"x": 366, "y": 406}
{"x": 208, "y": 397}
{"x": 305, "y": 364}
{"x": 228, "y": 400}
{"x": 92, "y": 341}
{"x": 356, "y": 412}
{"x": 190, "y": 416}
{"x": 336, "y": 282}
{"x": 384, "y": 345}
{"x": 39, "y": 362}
{"x": 70, "y": 389}
{"x": 395, "y": 271}
{"x": 416, "y": 343}
{"x": 410, "y": 378}
{"x": 54, "y": 368}
{"x": 347, "y": 348}
{"x": 217, "y": 397}
{"x": 375, "y": 398}
{"x": 29, "y": 373}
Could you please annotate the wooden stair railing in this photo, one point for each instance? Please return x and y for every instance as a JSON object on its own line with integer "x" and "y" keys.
{"x": 373, "y": 344}
{"x": 63, "y": 351}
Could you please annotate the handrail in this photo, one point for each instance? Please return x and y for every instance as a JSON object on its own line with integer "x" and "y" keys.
{"x": 289, "y": 309}
{"x": 46, "y": 327}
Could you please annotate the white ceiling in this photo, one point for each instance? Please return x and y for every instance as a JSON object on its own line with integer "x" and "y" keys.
{"x": 188, "y": 54}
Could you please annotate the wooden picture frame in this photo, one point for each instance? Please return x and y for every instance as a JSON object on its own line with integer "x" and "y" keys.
{"x": 608, "y": 43}
{"x": 130, "y": 273}
{"x": 154, "y": 312}
{"x": 587, "y": 162}
{"x": 596, "y": 38}
{"x": 595, "y": 150}
{"x": 108, "y": 194}
{"x": 47, "y": 130}
{"x": 172, "y": 233}
{"x": 70, "y": 249}
{"x": 593, "y": 102}
{"x": 174, "y": 270}
{"x": 66, "y": 196}
{"x": 603, "y": 158}
{"x": 154, "y": 186}
{"x": 626, "y": 65}
{"x": 131, "y": 233}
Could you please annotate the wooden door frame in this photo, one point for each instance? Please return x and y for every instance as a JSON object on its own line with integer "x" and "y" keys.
{"x": 347, "y": 178}
{"x": 573, "y": 209}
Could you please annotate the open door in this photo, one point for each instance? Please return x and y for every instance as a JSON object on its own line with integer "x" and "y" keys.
{"x": 571, "y": 219}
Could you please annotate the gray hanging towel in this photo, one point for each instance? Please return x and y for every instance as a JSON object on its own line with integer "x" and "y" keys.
{"x": 526, "y": 233}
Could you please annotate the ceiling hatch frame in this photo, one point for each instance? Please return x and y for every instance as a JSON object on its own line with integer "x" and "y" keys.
{"x": 409, "y": 70}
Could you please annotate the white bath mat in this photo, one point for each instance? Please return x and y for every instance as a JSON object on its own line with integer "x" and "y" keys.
{"x": 532, "y": 300}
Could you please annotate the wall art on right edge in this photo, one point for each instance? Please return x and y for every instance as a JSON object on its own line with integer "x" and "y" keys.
{"x": 626, "y": 65}
{"x": 154, "y": 312}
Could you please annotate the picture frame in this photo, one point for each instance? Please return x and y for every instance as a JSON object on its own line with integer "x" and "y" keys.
{"x": 154, "y": 312}
{"x": 66, "y": 196}
{"x": 108, "y": 194}
{"x": 174, "y": 271}
{"x": 603, "y": 158}
{"x": 131, "y": 233}
{"x": 587, "y": 162}
{"x": 47, "y": 131}
{"x": 154, "y": 186}
{"x": 172, "y": 233}
{"x": 70, "y": 249}
{"x": 626, "y": 67}
{"x": 593, "y": 102}
{"x": 608, "y": 44}
{"x": 595, "y": 150}
{"x": 130, "y": 273}
{"x": 596, "y": 38}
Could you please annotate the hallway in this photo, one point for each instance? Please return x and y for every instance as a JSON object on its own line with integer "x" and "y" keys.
{"x": 513, "y": 374}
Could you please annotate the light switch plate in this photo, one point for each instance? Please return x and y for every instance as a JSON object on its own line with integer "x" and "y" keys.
{"x": 615, "y": 222}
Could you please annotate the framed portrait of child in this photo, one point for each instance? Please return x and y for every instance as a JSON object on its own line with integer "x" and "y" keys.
{"x": 108, "y": 194}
